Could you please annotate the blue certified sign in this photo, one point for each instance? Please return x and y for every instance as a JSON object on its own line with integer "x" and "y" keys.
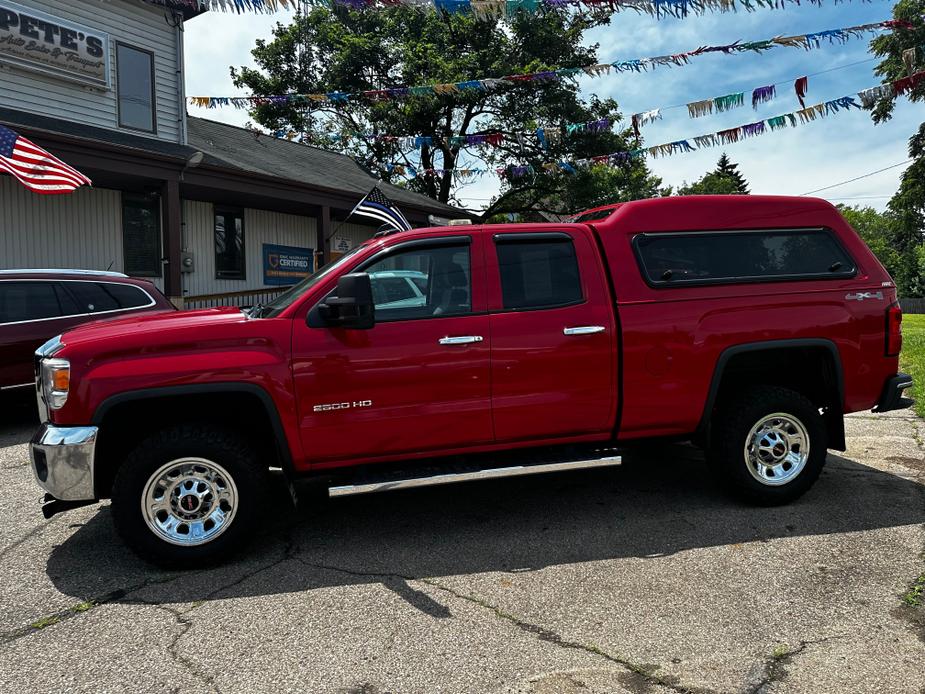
{"x": 284, "y": 265}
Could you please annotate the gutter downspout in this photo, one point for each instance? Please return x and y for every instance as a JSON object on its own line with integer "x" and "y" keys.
{"x": 181, "y": 80}
{"x": 181, "y": 122}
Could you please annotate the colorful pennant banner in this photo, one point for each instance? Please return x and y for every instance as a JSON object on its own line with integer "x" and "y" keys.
{"x": 868, "y": 98}
{"x": 408, "y": 142}
{"x": 238, "y": 6}
{"x": 719, "y": 104}
{"x": 485, "y": 9}
{"x": 493, "y": 84}
{"x": 504, "y": 8}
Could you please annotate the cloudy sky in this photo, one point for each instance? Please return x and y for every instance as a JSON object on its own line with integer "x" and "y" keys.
{"x": 792, "y": 161}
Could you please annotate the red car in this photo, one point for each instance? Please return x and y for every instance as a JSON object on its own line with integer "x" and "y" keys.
{"x": 38, "y": 304}
{"x": 747, "y": 324}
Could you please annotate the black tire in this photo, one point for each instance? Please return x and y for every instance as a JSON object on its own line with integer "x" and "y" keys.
{"x": 232, "y": 453}
{"x": 732, "y": 425}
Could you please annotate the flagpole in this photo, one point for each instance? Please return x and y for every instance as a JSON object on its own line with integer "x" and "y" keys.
{"x": 344, "y": 220}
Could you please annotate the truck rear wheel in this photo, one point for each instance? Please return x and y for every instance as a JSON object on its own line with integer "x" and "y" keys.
{"x": 768, "y": 444}
{"x": 188, "y": 496}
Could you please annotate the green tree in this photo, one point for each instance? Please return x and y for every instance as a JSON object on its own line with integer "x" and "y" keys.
{"x": 339, "y": 50}
{"x": 877, "y": 229}
{"x": 908, "y": 204}
{"x": 725, "y": 179}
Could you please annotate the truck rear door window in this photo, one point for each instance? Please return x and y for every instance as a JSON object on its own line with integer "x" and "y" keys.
{"x": 540, "y": 273}
{"x": 741, "y": 256}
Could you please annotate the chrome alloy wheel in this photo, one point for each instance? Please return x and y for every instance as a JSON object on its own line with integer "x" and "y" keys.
{"x": 189, "y": 501}
{"x": 777, "y": 449}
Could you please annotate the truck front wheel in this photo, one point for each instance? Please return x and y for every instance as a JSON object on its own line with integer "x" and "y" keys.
{"x": 188, "y": 496}
{"x": 768, "y": 444}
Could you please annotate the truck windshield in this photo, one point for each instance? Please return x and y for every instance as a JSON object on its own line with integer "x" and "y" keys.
{"x": 287, "y": 298}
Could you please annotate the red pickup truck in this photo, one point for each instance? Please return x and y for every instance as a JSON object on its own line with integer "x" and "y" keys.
{"x": 749, "y": 325}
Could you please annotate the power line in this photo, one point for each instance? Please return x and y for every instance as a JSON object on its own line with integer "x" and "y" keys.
{"x": 863, "y": 197}
{"x": 858, "y": 178}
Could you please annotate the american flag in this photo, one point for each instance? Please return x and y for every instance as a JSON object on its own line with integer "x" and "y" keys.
{"x": 378, "y": 206}
{"x": 35, "y": 168}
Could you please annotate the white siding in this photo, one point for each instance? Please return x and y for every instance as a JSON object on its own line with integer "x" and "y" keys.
{"x": 260, "y": 227}
{"x": 78, "y": 231}
{"x": 356, "y": 233}
{"x": 128, "y": 21}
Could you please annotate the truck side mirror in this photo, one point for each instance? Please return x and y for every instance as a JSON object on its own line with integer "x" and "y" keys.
{"x": 351, "y": 306}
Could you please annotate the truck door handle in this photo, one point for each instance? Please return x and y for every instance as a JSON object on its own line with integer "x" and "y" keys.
{"x": 584, "y": 330}
{"x": 461, "y": 340}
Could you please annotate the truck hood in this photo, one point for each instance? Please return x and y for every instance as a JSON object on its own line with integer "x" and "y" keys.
{"x": 151, "y": 323}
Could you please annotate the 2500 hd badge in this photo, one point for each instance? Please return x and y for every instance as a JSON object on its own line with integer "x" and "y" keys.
{"x": 343, "y": 405}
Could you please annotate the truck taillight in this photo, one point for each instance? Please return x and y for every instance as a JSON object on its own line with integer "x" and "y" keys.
{"x": 894, "y": 330}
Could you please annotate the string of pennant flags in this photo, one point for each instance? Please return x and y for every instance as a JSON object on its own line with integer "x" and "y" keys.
{"x": 485, "y": 9}
{"x": 808, "y": 114}
{"x": 236, "y": 6}
{"x": 804, "y": 41}
{"x": 550, "y": 135}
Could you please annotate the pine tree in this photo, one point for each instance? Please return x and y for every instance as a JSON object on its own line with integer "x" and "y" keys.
{"x": 725, "y": 179}
{"x": 725, "y": 168}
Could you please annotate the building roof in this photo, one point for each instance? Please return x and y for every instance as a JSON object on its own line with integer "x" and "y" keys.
{"x": 34, "y": 122}
{"x": 240, "y": 148}
{"x": 240, "y": 151}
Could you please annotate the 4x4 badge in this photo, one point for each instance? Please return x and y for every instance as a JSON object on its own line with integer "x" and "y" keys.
{"x": 860, "y": 296}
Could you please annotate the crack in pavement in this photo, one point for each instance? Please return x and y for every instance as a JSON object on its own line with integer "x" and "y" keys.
{"x": 184, "y": 621}
{"x": 646, "y": 674}
{"x": 775, "y": 667}
{"x": 120, "y": 594}
{"x": 185, "y": 624}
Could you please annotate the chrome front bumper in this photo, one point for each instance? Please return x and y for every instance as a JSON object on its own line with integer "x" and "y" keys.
{"x": 62, "y": 461}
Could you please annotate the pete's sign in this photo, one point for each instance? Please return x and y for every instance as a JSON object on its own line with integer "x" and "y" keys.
{"x": 38, "y": 41}
{"x": 283, "y": 265}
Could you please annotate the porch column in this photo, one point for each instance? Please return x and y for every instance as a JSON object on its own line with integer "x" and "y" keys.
{"x": 173, "y": 241}
{"x": 323, "y": 242}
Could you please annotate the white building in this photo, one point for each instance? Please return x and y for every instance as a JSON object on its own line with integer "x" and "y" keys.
{"x": 202, "y": 208}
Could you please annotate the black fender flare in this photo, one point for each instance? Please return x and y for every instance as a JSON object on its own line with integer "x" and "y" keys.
{"x": 282, "y": 443}
{"x": 834, "y": 419}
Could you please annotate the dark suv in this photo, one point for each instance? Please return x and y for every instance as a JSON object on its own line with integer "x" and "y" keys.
{"x": 38, "y": 304}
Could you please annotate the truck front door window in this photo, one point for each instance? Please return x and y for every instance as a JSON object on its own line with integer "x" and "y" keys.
{"x": 422, "y": 283}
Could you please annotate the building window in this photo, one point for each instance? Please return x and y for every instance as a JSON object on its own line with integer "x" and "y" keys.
{"x": 229, "y": 244}
{"x": 141, "y": 235}
{"x": 135, "y": 77}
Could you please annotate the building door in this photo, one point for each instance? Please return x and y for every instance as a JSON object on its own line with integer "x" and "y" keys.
{"x": 418, "y": 380}
{"x": 553, "y": 358}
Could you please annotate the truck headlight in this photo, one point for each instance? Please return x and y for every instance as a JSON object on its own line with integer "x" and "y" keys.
{"x": 56, "y": 382}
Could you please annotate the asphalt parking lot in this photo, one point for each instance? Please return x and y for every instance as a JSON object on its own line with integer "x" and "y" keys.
{"x": 640, "y": 579}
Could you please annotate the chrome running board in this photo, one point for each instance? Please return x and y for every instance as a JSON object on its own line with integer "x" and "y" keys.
{"x": 384, "y": 485}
